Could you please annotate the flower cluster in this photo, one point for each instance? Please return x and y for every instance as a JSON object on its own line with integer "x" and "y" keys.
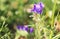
{"x": 38, "y": 8}
{"x": 25, "y": 28}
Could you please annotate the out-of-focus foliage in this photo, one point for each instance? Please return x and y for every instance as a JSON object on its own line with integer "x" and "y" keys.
{"x": 5, "y": 33}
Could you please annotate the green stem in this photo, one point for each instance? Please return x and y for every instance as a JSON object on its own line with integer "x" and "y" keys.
{"x": 53, "y": 11}
{"x": 51, "y": 34}
{"x": 37, "y": 26}
{"x": 52, "y": 23}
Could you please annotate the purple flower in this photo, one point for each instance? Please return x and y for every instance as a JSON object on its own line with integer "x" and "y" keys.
{"x": 31, "y": 30}
{"x": 25, "y": 27}
{"x": 38, "y": 8}
{"x": 22, "y": 27}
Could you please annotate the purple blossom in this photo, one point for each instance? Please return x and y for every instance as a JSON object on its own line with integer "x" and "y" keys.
{"x": 31, "y": 30}
{"x": 22, "y": 27}
{"x": 25, "y": 27}
{"x": 38, "y": 8}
